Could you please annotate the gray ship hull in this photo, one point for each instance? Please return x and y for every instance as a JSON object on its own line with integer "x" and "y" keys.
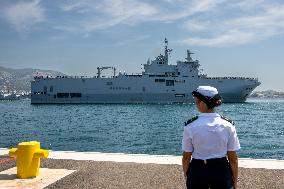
{"x": 95, "y": 90}
{"x": 131, "y": 99}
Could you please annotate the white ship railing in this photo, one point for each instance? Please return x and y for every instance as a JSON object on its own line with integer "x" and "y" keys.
{"x": 247, "y": 78}
{"x": 140, "y": 75}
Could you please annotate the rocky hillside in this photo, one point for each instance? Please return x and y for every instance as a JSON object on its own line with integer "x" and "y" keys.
{"x": 18, "y": 80}
{"x": 267, "y": 94}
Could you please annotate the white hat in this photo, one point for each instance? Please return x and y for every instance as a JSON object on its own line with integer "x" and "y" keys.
{"x": 209, "y": 95}
{"x": 207, "y": 91}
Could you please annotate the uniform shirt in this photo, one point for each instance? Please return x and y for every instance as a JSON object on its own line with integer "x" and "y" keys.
{"x": 209, "y": 136}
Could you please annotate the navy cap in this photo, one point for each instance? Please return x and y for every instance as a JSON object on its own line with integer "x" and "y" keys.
{"x": 208, "y": 94}
{"x": 207, "y": 91}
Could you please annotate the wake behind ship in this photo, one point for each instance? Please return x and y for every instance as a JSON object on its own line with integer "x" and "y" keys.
{"x": 160, "y": 82}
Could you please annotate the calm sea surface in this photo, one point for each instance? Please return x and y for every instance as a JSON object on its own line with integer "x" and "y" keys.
{"x": 143, "y": 129}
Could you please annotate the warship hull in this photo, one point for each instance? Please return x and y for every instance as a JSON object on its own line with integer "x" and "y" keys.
{"x": 94, "y": 90}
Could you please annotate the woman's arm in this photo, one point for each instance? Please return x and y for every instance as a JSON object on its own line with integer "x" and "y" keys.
{"x": 233, "y": 160}
{"x": 186, "y": 157}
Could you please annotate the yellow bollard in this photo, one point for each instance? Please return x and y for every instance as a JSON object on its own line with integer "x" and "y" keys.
{"x": 28, "y": 158}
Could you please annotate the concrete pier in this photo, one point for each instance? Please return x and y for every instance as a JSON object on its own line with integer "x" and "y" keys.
{"x": 116, "y": 170}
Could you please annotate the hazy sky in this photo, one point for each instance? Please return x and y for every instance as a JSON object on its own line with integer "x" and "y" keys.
{"x": 229, "y": 37}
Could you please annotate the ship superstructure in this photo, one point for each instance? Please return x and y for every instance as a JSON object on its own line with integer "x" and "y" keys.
{"x": 160, "y": 82}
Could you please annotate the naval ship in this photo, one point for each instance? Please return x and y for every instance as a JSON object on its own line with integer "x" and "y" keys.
{"x": 159, "y": 82}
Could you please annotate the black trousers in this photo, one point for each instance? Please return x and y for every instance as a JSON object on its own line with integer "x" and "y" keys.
{"x": 212, "y": 173}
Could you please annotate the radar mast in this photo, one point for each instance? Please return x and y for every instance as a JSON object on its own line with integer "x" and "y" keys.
{"x": 167, "y": 51}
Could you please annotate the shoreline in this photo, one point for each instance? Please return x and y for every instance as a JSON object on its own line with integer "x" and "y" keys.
{"x": 149, "y": 159}
{"x": 117, "y": 170}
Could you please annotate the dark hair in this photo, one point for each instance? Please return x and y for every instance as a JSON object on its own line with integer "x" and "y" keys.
{"x": 211, "y": 102}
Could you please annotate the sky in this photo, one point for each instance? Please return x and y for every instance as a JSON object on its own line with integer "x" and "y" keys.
{"x": 229, "y": 37}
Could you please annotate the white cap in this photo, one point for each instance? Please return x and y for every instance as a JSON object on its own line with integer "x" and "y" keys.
{"x": 207, "y": 91}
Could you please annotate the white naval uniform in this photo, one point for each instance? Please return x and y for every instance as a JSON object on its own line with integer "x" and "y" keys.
{"x": 209, "y": 136}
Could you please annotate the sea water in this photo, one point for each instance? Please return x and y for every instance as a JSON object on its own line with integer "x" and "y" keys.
{"x": 137, "y": 128}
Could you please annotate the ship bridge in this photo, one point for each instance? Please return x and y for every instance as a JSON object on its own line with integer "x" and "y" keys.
{"x": 160, "y": 66}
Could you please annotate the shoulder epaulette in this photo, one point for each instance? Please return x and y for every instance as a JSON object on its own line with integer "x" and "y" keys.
{"x": 229, "y": 120}
{"x": 190, "y": 120}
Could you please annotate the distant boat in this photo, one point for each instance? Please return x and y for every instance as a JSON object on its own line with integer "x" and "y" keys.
{"x": 160, "y": 82}
{"x": 9, "y": 96}
{"x": 1, "y": 97}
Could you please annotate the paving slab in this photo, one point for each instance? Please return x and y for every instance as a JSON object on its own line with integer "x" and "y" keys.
{"x": 46, "y": 177}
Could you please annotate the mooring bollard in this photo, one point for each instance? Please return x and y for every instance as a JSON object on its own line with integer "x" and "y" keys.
{"x": 28, "y": 156}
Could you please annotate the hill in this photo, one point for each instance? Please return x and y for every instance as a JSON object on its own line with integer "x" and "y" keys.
{"x": 17, "y": 81}
{"x": 267, "y": 94}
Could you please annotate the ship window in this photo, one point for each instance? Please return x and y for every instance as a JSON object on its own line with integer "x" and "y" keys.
{"x": 54, "y": 96}
{"x": 51, "y": 89}
{"x": 62, "y": 95}
{"x": 45, "y": 89}
{"x": 143, "y": 89}
{"x": 159, "y": 80}
{"x": 178, "y": 73}
{"x": 169, "y": 82}
{"x": 179, "y": 95}
{"x": 129, "y": 88}
{"x": 75, "y": 95}
{"x": 179, "y": 81}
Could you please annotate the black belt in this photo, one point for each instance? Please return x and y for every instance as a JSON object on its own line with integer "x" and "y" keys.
{"x": 210, "y": 161}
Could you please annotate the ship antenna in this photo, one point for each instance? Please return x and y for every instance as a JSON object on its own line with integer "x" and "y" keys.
{"x": 188, "y": 55}
{"x": 167, "y": 51}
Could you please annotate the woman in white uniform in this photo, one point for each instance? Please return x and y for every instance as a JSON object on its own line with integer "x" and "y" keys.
{"x": 209, "y": 145}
